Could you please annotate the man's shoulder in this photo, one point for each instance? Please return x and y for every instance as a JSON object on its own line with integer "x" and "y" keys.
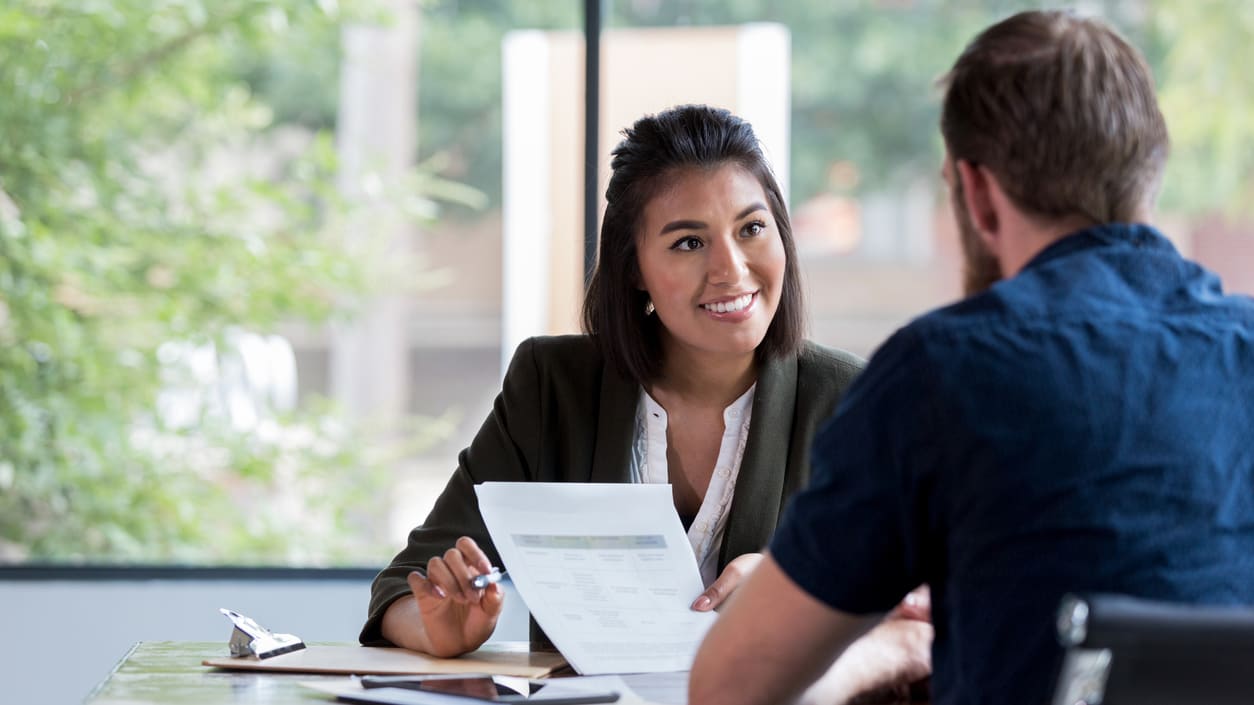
{"x": 999, "y": 311}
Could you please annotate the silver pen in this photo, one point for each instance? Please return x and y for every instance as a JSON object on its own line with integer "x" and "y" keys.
{"x": 479, "y": 582}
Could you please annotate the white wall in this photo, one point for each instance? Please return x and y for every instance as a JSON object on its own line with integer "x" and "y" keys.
{"x": 91, "y": 624}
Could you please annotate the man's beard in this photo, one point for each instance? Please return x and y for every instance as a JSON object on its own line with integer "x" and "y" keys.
{"x": 980, "y": 269}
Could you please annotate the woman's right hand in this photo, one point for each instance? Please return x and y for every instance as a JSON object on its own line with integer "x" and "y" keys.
{"x": 447, "y": 617}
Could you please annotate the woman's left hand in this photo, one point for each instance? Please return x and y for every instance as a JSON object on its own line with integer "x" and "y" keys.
{"x": 733, "y": 575}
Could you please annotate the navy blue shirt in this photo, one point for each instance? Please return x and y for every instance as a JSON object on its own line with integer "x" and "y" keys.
{"x": 1085, "y": 425}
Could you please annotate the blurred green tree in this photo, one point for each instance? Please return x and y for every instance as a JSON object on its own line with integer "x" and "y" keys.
{"x": 152, "y": 211}
{"x": 1201, "y": 52}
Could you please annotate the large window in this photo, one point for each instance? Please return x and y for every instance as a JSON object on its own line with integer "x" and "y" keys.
{"x": 870, "y": 213}
{"x": 261, "y": 262}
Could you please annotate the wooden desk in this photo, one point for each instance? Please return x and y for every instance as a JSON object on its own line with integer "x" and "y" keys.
{"x": 169, "y": 673}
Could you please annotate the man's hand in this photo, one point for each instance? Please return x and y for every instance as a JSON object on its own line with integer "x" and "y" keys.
{"x": 736, "y": 571}
{"x": 916, "y": 605}
{"x": 771, "y": 640}
{"x": 880, "y": 667}
{"x": 447, "y": 616}
{"x": 887, "y": 662}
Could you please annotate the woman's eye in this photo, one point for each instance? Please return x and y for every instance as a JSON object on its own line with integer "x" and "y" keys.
{"x": 754, "y": 228}
{"x": 687, "y": 244}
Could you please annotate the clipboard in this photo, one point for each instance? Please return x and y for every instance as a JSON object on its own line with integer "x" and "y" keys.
{"x": 497, "y": 659}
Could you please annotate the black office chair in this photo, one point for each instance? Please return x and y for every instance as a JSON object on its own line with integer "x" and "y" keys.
{"x": 1127, "y": 651}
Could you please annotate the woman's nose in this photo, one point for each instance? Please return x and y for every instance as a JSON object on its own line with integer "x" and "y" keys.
{"x": 727, "y": 263}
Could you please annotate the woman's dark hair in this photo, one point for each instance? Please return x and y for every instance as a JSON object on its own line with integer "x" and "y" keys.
{"x": 654, "y": 150}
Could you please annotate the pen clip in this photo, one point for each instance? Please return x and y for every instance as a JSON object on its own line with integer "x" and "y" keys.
{"x": 495, "y": 575}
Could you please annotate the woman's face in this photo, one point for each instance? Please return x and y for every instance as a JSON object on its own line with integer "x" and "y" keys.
{"x": 712, "y": 260}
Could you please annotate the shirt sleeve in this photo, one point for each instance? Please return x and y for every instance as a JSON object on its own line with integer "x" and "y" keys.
{"x": 854, "y": 537}
{"x": 504, "y": 450}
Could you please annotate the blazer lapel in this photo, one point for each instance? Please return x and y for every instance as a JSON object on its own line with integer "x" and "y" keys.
{"x": 616, "y": 424}
{"x": 760, "y": 484}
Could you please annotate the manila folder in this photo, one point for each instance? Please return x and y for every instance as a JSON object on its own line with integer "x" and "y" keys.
{"x": 499, "y": 659}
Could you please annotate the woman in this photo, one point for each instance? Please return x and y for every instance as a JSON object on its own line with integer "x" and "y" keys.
{"x": 693, "y": 372}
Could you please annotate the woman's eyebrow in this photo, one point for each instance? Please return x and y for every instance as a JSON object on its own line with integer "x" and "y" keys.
{"x": 682, "y": 225}
{"x": 755, "y": 207}
{"x": 699, "y": 225}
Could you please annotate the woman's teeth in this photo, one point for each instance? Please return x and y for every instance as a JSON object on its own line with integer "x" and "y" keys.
{"x": 737, "y": 304}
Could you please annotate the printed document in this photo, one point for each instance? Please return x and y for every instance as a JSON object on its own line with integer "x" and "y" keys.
{"x": 606, "y": 570}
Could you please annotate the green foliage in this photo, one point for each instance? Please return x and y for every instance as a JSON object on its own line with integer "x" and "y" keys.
{"x": 148, "y": 198}
{"x": 1202, "y": 54}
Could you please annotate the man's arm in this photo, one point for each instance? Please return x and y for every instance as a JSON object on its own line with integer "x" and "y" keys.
{"x": 770, "y": 643}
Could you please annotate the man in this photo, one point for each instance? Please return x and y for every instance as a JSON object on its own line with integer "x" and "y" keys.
{"x": 1082, "y": 421}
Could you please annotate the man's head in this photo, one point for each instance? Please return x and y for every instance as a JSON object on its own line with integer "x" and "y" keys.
{"x": 1061, "y": 112}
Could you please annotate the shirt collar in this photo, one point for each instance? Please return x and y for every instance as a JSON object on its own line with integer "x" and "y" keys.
{"x": 1108, "y": 235}
{"x": 732, "y": 413}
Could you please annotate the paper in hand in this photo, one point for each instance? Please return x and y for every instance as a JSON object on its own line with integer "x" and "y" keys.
{"x": 606, "y": 570}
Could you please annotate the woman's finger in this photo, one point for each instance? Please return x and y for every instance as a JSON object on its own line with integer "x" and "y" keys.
{"x": 722, "y": 588}
{"x": 423, "y": 588}
{"x": 461, "y": 574}
{"x": 474, "y": 556}
{"x": 441, "y": 574}
{"x": 711, "y": 598}
{"x": 493, "y": 600}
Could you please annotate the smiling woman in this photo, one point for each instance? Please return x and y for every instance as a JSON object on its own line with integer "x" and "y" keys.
{"x": 712, "y": 263}
{"x": 713, "y": 269}
{"x": 693, "y": 372}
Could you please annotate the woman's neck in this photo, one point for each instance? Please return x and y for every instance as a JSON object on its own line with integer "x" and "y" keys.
{"x": 708, "y": 380}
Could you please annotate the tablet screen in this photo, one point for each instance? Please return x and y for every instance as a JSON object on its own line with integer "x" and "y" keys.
{"x": 481, "y": 687}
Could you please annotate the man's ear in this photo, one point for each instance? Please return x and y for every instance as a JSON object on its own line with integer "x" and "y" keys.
{"x": 978, "y": 184}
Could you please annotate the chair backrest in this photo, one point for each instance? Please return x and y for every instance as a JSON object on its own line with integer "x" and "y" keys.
{"x": 1128, "y": 651}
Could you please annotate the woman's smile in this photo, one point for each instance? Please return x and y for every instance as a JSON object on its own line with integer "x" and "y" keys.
{"x": 736, "y": 308}
{"x": 712, "y": 262}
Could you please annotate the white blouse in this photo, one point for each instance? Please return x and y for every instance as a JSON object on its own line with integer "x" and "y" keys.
{"x": 648, "y": 464}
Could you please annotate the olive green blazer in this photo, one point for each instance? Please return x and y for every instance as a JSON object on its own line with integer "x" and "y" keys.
{"x": 565, "y": 414}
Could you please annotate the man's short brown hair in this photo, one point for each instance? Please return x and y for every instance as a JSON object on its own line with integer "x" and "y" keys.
{"x": 1062, "y": 110}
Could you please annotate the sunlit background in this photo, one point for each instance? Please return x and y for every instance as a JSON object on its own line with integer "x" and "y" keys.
{"x": 261, "y": 262}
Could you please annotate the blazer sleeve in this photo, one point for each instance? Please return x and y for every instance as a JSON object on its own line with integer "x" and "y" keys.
{"x": 505, "y": 449}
